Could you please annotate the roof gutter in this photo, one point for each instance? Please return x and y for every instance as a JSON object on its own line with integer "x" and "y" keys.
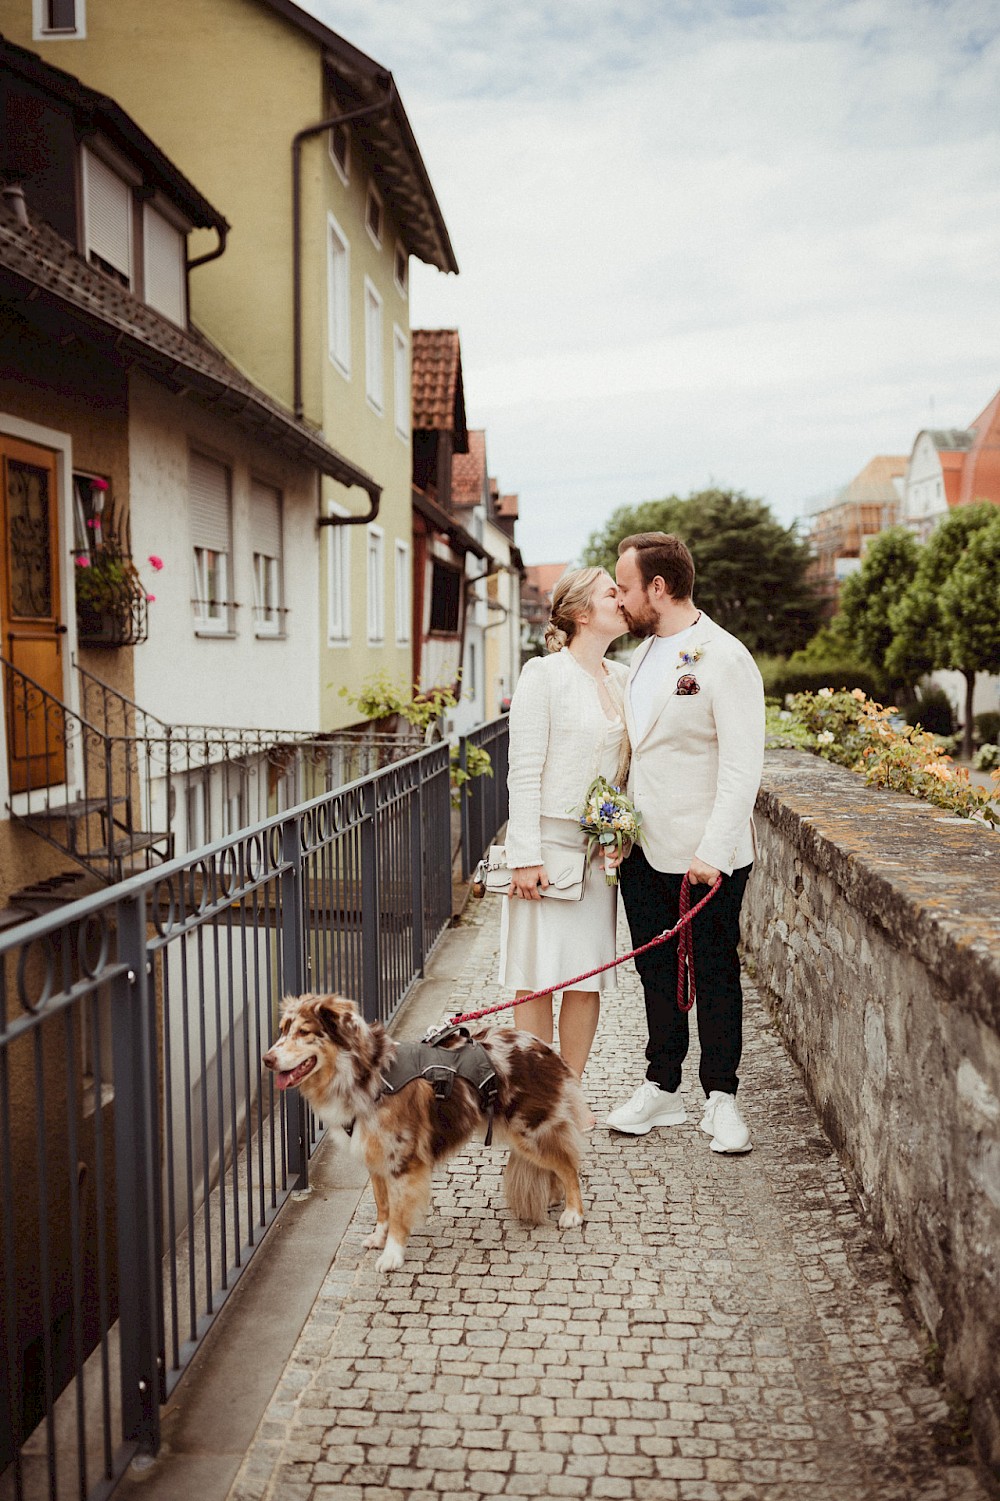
{"x": 379, "y": 107}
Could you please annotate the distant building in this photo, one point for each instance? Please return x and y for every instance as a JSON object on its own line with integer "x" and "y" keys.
{"x": 536, "y": 603}
{"x": 952, "y": 467}
{"x": 842, "y": 524}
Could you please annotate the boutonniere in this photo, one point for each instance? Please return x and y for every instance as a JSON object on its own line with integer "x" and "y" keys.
{"x": 689, "y": 658}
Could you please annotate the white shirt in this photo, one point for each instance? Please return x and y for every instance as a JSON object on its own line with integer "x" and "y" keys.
{"x": 659, "y": 659}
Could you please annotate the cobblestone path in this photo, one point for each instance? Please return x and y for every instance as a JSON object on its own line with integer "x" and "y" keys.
{"x": 720, "y": 1329}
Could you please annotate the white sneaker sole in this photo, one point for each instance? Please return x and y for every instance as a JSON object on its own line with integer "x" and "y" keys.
{"x": 716, "y": 1144}
{"x": 668, "y": 1118}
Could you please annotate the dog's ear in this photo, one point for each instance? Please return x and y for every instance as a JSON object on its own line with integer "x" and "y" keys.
{"x": 338, "y": 1019}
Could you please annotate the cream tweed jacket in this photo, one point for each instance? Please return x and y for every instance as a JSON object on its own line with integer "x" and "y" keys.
{"x": 557, "y": 730}
{"x": 697, "y": 766}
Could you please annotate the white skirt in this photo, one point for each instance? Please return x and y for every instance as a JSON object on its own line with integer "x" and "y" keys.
{"x": 545, "y": 942}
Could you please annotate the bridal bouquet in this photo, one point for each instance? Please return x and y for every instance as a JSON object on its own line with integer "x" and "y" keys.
{"x": 610, "y": 820}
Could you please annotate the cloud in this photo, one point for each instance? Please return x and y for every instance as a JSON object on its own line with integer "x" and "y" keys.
{"x": 719, "y": 239}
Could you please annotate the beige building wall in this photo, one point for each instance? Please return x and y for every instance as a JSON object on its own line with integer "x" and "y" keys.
{"x": 222, "y": 87}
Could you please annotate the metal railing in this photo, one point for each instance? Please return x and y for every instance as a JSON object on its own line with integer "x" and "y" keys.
{"x": 484, "y": 800}
{"x": 119, "y": 790}
{"x": 142, "y": 1158}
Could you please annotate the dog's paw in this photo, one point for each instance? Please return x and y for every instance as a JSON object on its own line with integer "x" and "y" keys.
{"x": 391, "y": 1259}
{"x": 376, "y": 1240}
{"x": 569, "y": 1219}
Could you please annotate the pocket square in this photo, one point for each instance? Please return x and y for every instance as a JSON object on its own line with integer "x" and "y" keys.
{"x": 687, "y": 685}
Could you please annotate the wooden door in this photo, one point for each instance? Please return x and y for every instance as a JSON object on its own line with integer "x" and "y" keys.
{"x": 33, "y": 632}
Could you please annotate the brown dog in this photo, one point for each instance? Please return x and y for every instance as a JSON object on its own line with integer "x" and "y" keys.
{"x": 336, "y": 1059}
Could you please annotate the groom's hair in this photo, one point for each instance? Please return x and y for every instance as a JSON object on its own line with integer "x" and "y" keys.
{"x": 660, "y": 555}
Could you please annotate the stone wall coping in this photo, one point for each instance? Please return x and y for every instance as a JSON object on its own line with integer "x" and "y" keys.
{"x": 929, "y": 879}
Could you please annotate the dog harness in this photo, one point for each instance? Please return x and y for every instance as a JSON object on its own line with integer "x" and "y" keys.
{"x": 441, "y": 1066}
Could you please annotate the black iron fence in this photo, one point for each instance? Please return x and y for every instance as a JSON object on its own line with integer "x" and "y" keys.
{"x": 142, "y": 1157}
{"x": 484, "y": 798}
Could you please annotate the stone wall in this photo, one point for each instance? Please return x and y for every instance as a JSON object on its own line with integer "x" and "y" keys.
{"x": 873, "y": 924}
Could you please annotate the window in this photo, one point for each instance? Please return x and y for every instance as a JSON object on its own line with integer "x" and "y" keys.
{"x": 338, "y": 295}
{"x": 210, "y": 536}
{"x": 265, "y": 528}
{"x": 55, "y": 19}
{"x": 401, "y": 382}
{"x": 400, "y": 270}
{"x": 373, "y": 214}
{"x": 338, "y": 582}
{"x": 446, "y": 594}
{"x": 107, "y": 219}
{"x": 402, "y": 593}
{"x": 376, "y": 587}
{"x": 164, "y": 270}
{"x": 374, "y": 372}
{"x": 340, "y": 152}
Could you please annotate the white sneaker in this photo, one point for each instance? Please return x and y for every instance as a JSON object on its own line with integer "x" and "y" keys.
{"x": 650, "y": 1106}
{"x": 724, "y": 1123}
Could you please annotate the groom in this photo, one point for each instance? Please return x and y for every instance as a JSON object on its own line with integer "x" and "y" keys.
{"x": 694, "y": 706}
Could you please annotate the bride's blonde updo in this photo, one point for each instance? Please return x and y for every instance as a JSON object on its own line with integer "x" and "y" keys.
{"x": 570, "y": 599}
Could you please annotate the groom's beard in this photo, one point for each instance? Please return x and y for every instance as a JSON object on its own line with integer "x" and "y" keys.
{"x": 641, "y": 628}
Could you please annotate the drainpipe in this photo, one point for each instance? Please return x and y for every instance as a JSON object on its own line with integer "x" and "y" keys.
{"x": 222, "y": 230}
{"x": 304, "y": 135}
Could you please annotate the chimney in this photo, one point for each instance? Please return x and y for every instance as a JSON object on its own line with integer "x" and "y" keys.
{"x": 13, "y": 196}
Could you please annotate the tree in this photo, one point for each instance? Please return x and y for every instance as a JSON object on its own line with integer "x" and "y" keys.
{"x": 920, "y": 639}
{"x": 868, "y": 596}
{"x": 970, "y": 613}
{"x": 750, "y": 569}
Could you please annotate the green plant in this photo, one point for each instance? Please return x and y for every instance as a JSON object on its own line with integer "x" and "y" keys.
{"x": 102, "y": 581}
{"x": 477, "y": 764}
{"x": 380, "y": 698}
{"x": 987, "y": 758}
{"x": 855, "y": 731}
{"x": 986, "y": 728}
{"x": 932, "y": 711}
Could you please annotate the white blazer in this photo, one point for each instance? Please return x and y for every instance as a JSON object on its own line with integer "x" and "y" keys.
{"x": 697, "y": 767}
{"x": 557, "y": 733}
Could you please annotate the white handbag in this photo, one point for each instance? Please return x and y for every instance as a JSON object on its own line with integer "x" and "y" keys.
{"x": 566, "y": 870}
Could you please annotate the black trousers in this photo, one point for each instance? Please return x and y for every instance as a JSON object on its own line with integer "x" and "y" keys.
{"x": 652, "y": 903}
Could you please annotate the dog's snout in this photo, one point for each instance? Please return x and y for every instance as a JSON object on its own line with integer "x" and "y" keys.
{"x": 270, "y": 1059}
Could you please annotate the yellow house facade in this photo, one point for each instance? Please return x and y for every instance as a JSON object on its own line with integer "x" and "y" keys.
{"x": 310, "y": 298}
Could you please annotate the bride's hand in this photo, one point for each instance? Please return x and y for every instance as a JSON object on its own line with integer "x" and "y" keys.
{"x": 526, "y": 881}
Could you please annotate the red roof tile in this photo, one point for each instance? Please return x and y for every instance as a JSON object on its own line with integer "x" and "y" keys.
{"x": 468, "y": 471}
{"x": 507, "y": 506}
{"x": 438, "y": 393}
{"x": 545, "y": 576}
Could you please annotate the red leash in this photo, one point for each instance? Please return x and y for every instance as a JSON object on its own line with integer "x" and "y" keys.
{"x": 685, "y": 960}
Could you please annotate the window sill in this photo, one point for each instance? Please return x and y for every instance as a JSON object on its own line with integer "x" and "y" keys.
{"x": 265, "y": 635}
{"x": 205, "y": 633}
{"x": 338, "y": 643}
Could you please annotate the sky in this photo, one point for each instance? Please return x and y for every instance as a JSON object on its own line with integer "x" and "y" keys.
{"x": 702, "y": 242}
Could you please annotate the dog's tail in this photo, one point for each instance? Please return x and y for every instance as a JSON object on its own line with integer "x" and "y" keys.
{"x": 527, "y": 1188}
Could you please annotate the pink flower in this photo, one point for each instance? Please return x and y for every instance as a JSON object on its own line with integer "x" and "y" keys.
{"x": 82, "y": 561}
{"x": 93, "y": 523}
{"x": 151, "y": 599}
{"x": 154, "y": 561}
{"x": 98, "y": 484}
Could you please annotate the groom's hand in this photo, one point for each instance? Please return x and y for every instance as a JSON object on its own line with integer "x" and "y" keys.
{"x": 702, "y": 875}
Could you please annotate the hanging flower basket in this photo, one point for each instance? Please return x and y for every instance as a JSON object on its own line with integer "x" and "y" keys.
{"x": 111, "y": 603}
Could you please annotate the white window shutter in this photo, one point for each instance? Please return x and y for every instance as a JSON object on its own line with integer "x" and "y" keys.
{"x": 164, "y": 258}
{"x": 265, "y": 507}
{"x": 108, "y": 206}
{"x": 209, "y": 495}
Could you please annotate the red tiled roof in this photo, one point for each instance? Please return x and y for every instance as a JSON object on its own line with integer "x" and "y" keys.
{"x": 981, "y": 470}
{"x": 468, "y": 471}
{"x": 438, "y": 393}
{"x": 545, "y": 576}
{"x": 507, "y": 506}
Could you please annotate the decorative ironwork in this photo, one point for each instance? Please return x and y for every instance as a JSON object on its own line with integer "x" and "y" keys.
{"x": 28, "y": 503}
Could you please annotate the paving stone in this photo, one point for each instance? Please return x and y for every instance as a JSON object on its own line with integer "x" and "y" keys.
{"x": 719, "y": 1327}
